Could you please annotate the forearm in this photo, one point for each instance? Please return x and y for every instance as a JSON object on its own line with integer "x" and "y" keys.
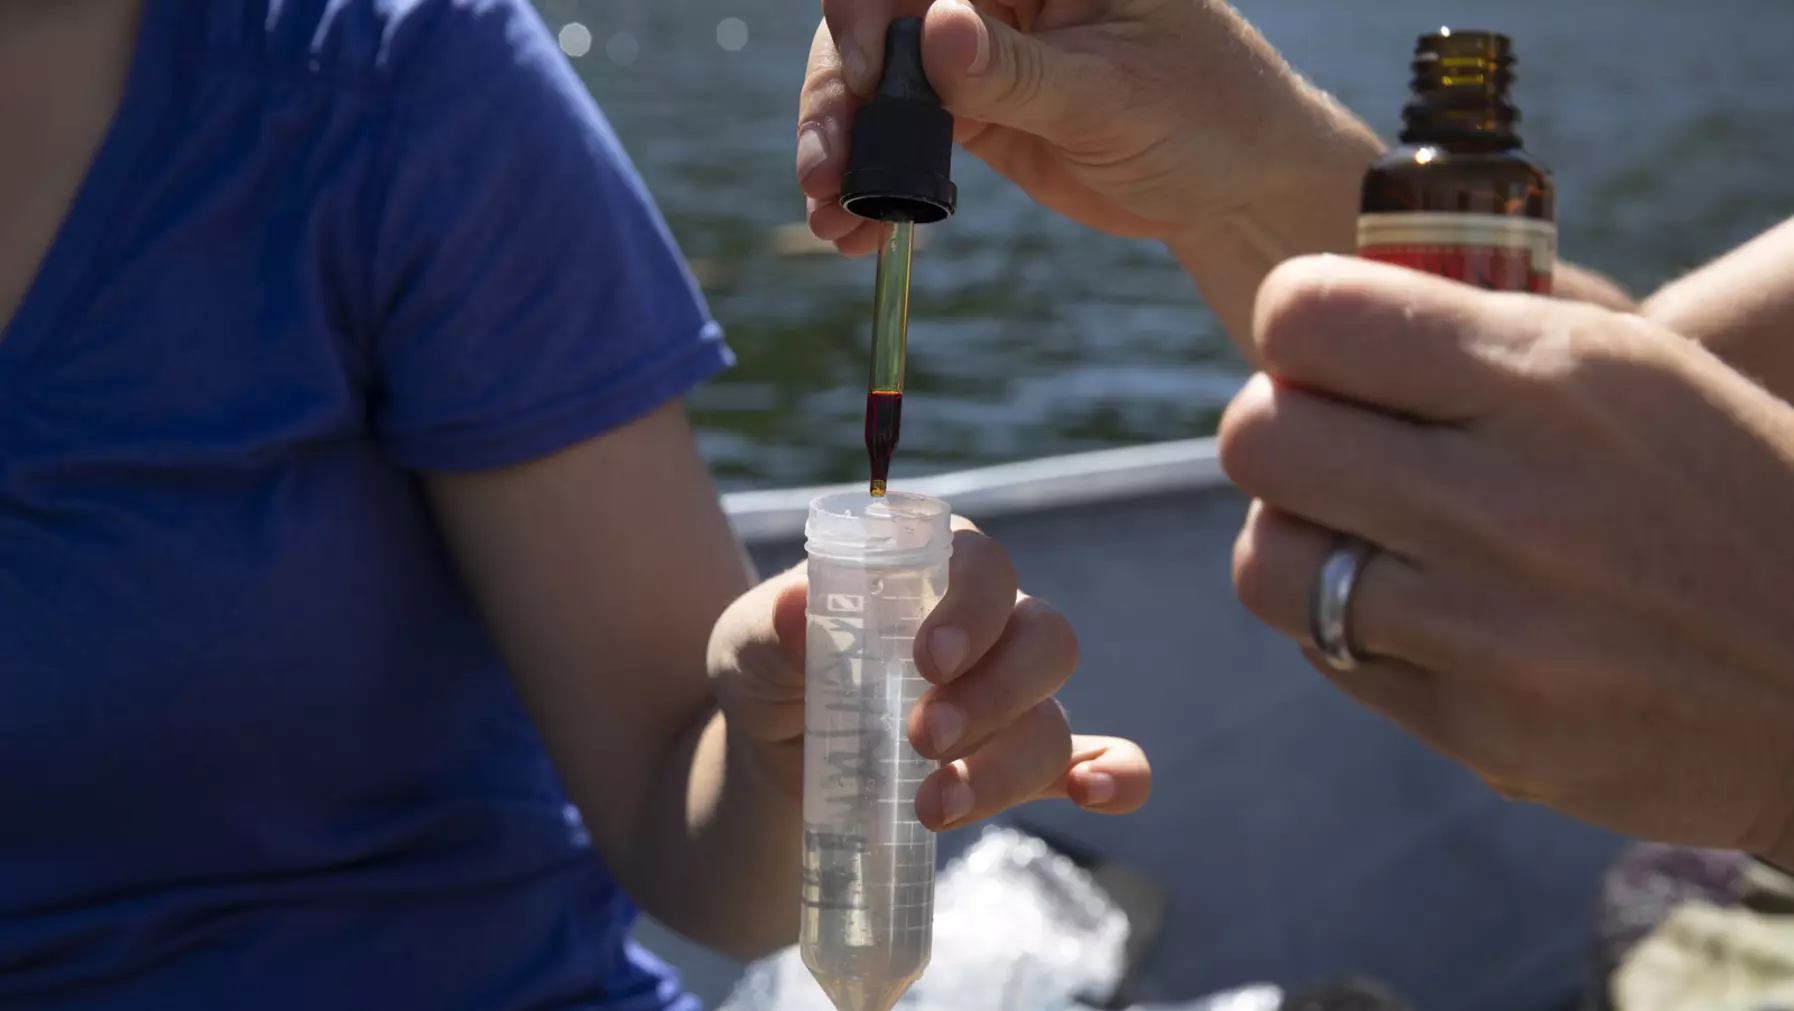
{"x": 1741, "y": 306}
{"x": 606, "y": 572}
{"x": 1313, "y": 208}
{"x": 719, "y": 848}
{"x": 717, "y": 857}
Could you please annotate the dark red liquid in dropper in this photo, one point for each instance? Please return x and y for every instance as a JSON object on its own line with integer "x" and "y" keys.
{"x": 884, "y": 421}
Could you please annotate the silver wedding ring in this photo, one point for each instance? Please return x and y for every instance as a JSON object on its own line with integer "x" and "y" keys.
{"x": 1330, "y": 608}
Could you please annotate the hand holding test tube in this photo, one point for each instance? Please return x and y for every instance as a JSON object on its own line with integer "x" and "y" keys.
{"x": 976, "y": 648}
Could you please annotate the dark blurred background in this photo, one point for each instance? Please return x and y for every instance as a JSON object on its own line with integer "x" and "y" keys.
{"x": 1669, "y": 123}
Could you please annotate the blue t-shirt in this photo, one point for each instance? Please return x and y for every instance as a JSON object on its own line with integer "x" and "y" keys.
{"x": 257, "y": 750}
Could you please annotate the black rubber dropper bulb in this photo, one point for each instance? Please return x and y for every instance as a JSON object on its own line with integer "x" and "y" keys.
{"x": 901, "y": 164}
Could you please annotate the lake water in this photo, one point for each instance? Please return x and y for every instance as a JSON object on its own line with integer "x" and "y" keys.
{"x": 1669, "y": 124}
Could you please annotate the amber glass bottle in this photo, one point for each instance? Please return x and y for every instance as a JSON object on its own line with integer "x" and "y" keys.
{"x": 1461, "y": 197}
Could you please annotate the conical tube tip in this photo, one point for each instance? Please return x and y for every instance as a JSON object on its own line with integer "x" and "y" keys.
{"x": 861, "y": 993}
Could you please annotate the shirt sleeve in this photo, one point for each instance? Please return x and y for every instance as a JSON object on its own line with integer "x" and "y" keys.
{"x": 528, "y": 293}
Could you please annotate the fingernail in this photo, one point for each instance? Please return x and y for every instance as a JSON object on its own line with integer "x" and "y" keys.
{"x": 1099, "y": 788}
{"x": 956, "y": 800}
{"x": 853, "y": 66}
{"x": 945, "y": 725}
{"x": 812, "y": 151}
{"x": 947, "y": 648}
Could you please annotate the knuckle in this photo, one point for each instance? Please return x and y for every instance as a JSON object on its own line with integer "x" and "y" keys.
{"x": 1587, "y": 331}
{"x": 977, "y": 553}
{"x": 1573, "y": 345}
{"x": 1282, "y": 332}
{"x": 1057, "y": 636}
{"x": 1554, "y": 349}
{"x": 1399, "y": 611}
{"x": 1051, "y": 738}
{"x": 824, "y": 94}
{"x": 1024, "y": 756}
{"x": 1245, "y": 442}
{"x": 1510, "y": 789}
{"x": 1023, "y": 86}
{"x": 1251, "y": 576}
{"x": 822, "y": 98}
{"x": 1298, "y": 303}
{"x": 1511, "y": 647}
{"x": 823, "y": 57}
{"x": 1496, "y": 755}
{"x": 1493, "y": 760}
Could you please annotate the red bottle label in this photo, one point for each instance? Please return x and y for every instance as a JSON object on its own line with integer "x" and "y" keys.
{"x": 1488, "y": 250}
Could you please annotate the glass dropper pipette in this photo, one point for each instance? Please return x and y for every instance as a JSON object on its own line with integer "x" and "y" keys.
{"x": 900, "y": 175}
{"x": 890, "y": 337}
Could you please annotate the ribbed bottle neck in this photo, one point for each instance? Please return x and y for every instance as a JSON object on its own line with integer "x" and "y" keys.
{"x": 1460, "y": 90}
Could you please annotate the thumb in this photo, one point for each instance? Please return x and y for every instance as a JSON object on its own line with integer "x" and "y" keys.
{"x": 757, "y": 657}
{"x": 790, "y": 615}
{"x": 985, "y": 70}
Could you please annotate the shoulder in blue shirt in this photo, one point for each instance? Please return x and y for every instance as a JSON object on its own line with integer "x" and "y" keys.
{"x": 260, "y": 752}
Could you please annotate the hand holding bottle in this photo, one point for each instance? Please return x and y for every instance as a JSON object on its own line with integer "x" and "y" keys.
{"x": 1581, "y": 551}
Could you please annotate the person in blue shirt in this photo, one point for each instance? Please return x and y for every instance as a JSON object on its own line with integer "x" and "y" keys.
{"x": 370, "y": 632}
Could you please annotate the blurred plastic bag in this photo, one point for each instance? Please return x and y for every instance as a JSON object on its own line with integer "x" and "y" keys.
{"x": 1707, "y": 958}
{"x": 1017, "y": 927}
{"x": 1257, "y": 997}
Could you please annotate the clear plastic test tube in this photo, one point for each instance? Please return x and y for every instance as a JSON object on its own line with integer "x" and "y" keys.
{"x": 877, "y": 567}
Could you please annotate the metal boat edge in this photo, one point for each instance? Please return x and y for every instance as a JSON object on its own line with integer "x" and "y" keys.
{"x": 1052, "y": 482}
